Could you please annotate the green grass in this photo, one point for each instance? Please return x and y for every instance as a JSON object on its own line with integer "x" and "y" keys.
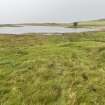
{"x": 52, "y": 70}
{"x": 9, "y": 25}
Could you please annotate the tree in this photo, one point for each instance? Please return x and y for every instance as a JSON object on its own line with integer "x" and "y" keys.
{"x": 75, "y": 24}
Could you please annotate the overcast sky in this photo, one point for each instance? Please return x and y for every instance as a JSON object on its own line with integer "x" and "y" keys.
{"x": 17, "y": 11}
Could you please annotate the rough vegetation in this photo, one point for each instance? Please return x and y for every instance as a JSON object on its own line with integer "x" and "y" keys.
{"x": 38, "y": 69}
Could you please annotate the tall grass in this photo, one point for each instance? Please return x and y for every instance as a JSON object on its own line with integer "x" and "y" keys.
{"x": 52, "y": 70}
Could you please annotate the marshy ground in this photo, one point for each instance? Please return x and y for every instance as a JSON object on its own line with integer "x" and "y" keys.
{"x": 38, "y": 69}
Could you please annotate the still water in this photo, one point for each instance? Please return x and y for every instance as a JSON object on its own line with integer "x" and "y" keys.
{"x": 41, "y": 29}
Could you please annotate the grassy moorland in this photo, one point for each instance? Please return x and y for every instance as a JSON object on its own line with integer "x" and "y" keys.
{"x": 52, "y": 70}
{"x": 89, "y": 24}
{"x": 9, "y": 25}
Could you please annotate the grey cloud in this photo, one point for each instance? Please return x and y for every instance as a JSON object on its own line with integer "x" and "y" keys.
{"x": 16, "y": 11}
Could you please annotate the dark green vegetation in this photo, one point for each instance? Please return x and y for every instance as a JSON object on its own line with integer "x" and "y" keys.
{"x": 9, "y": 25}
{"x": 52, "y": 70}
{"x": 75, "y": 24}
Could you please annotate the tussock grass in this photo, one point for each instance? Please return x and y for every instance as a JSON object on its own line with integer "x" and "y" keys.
{"x": 52, "y": 70}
